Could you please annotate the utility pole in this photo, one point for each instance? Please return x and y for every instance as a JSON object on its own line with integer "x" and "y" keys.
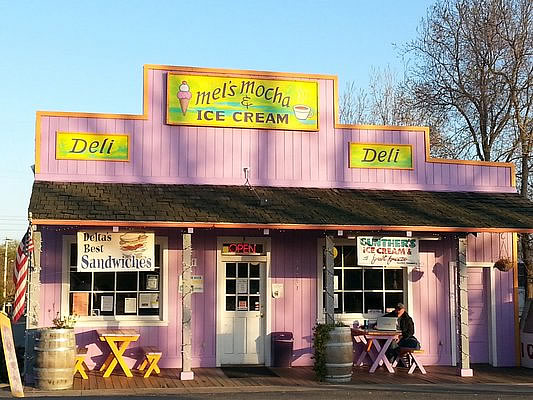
{"x": 4, "y": 291}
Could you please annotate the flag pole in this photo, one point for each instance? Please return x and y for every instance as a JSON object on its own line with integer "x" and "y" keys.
{"x": 28, "y": 351}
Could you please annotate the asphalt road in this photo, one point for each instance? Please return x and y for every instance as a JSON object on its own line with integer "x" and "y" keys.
{"x": 348, "y": 393}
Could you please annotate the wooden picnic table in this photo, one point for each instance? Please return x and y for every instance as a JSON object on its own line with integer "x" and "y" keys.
{"x": 377, "y": 343}
{"x": 118, "y": 341}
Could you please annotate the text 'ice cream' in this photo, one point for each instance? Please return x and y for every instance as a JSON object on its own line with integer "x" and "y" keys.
{"x": 184, "y": 96}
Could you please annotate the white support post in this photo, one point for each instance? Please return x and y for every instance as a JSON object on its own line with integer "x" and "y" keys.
{"x": 462, "y": 286}
{"x": 186, "y": 312}
{"x": 330, "y": 290}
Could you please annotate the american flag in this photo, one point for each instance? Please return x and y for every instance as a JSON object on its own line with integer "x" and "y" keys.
{"x": 20, "y": 273}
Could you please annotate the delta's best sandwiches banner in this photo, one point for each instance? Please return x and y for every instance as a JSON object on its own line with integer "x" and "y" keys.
{"x": 387, "y": 251}
{"x": 241, "y": 102}
{"x": 111, "y": 251}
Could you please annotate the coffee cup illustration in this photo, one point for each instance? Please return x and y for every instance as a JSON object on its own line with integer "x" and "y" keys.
{"x": 302, "y": 112}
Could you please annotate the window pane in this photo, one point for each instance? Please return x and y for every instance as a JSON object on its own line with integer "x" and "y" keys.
{"x": 254, "y": 303}
{"x": 353, "y": 279}
{"x": 127, "y": 304}
{"x": 337, "y": 280}
{"x": 230, "y": 303}
{"x": 254, "y": 286}
{"x": 394, "y": 279}
{"x": 242, "y": 303}
{"x": 353, "y": 302}
{"x": 104, "y": 281}
{"x": 243, "y": 270}
{"x": 148, "y": 303}
{"x": 149, "y": 280}
{"x": 231, "y": 270}
{"x": 338, "y": 301}
{"x": 102, "y": 307}
{"x": 126, "y": 280}
{"x": 337, "y": 261}
{"x": 373, "y": 279}
{"x": 374, "y": 302}
{"x": 79, "y": 304}
{"x": 73, "y": 254}
{"x": 350, "y": 259}
{"x": 254, "y": 270}
{"x": 392, "y": 299}
{"x": 230, "y": 286}
{"x": 80, "y": 281}
{"x": 157, "y": 255}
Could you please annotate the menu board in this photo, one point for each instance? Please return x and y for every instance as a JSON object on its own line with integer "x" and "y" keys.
{"x": 11, "y": 357}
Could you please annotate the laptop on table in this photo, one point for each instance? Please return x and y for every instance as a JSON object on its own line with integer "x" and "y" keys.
{"x": 386, "y": 323}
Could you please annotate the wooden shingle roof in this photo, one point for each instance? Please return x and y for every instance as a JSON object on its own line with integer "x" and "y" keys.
{"x": 56, "y": 202}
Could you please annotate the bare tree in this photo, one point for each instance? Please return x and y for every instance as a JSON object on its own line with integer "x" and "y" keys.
{"x": 352, "y": 105}
{"x": 459, "y": 63}
{"x": 473, "y": 64}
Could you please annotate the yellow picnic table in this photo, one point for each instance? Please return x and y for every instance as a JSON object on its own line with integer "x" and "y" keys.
{"x": 118, "y": 341}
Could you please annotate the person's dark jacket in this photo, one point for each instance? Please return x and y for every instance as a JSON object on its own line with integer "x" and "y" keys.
{"x": 405, "y": 323}
{"x": 407, "y": 326}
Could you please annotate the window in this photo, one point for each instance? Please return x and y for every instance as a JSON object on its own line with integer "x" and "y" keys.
{"x": 363, "y": 290}
{"x": 135, "y": 294}
{"x": 243, "y": 282}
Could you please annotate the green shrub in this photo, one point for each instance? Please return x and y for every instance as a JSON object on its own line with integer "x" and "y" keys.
{"x": 320, "y": 339}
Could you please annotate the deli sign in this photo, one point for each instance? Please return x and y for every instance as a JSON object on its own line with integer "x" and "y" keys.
{"x": 387, "y": 251}
{"x": 110, "y": 251}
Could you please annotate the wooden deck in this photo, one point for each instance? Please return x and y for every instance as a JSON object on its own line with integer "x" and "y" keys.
{"x": 302, "y": 377}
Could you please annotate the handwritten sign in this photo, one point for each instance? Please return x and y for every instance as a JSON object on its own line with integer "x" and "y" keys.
{"x": 242, "y": 102}
{"x": 387, "y": 251}
{"x": 10, "y": 356}
{"x": 376, "y": 155}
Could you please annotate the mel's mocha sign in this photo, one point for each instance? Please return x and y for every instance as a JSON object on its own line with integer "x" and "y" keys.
{"x": 242, "y": 102}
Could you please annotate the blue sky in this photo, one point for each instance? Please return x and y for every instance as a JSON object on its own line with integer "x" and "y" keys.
{"x": 88, "y": 57}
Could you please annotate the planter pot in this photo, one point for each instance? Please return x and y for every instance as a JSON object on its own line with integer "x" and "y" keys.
{"x": 55, "y": 356}
{"x": 339, "y": 355}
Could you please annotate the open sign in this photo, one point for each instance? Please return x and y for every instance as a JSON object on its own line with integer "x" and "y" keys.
{"x": 242, "y": 248}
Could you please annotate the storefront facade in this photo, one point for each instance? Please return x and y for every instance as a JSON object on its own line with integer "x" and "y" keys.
{"x": 256, "y": 169}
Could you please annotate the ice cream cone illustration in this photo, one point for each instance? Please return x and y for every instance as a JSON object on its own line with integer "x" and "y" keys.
{"x": 184, "y": 96}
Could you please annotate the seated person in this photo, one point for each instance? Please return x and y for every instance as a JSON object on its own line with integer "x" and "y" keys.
{"x": 407, "y": 327}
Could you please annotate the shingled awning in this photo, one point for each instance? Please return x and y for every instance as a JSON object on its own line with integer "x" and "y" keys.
{"x": 56, "y": 203}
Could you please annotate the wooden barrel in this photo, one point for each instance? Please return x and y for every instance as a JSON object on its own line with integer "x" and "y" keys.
{"x": 55, "y": 356}
{"x": 339, "y": 355}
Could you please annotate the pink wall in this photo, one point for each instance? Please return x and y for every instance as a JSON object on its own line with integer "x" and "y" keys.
{"x": 294, "y": 264}
{"x": 197, "y": 155}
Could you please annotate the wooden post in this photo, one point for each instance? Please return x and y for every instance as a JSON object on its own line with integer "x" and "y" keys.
{"x": 330, "y": 290}
{"x": 186, "y": 310}
{"x": 462, "y": 312}
{"x": 33, "y": 308}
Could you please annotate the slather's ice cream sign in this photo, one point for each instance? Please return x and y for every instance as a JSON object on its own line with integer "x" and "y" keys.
{"x": 110, "y": 251}
{"x": 242, "y": 102}
{"x": 387, "y": 251}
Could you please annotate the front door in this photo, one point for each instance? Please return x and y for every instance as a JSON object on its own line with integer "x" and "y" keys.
{"x": 242, "y": 327}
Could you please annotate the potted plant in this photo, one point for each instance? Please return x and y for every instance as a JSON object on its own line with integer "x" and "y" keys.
{"x": 55, "y": 354}
{"x": 333, "y": 352}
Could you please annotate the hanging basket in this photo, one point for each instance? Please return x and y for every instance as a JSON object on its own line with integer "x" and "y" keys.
{"x": 504, "y": 264}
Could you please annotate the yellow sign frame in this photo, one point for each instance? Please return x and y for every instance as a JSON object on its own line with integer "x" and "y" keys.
{"x": 123, "y": 141}
{"x": 239, "y": 101}
{"x": 387, "y": 147}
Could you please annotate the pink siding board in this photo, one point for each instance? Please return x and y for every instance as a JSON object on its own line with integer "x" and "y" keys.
{"x": 170, "y": 154}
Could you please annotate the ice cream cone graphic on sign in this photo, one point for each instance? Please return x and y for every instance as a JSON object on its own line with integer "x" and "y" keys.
{"x": 184, "y": 96}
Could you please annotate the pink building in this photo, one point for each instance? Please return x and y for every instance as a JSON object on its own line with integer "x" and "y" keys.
{"x": 256, "y": 169}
